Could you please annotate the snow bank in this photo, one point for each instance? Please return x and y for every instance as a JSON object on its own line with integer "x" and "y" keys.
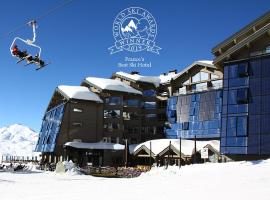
{"x": 223, "y": 181}
{"x": 67, "y": 167}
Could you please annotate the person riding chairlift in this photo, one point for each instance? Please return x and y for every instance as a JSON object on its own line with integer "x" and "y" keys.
{"x": 18, "y": 53}
{"x": 38, "y": 60}
{"x": 29, "y": 58}
{"x": 15, "y": 50}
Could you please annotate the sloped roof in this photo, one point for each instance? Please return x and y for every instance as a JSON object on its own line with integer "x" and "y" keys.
{"x": 187, "y": 146}
{"x": 206, "y": 63}
{"x": 111, "y": 84}
{"x": 155, "y": 80}
{"x": 136, "y": 77}
{"x": 78, "y": 92}
{"x": 265, "y": 17}
{"x": 242, "y": 38}
{"x": 166, "y": 78}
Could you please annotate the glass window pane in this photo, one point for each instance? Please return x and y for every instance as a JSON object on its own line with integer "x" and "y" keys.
{"x": 204, "y": 76}
{"x": 255, "y": 68}
{"x": 242, "y": 96}
{"x": 149, "y": 105}
{"x": 242, "y": 126}
{"x": 111, "y": 113}
{"x": 149, "y": 93}
{"x": 113, "y": 101}
{"x": 233, "y": 71}
{"x": 196, "y": 78}
{"x": 242, "y": 69}
{"x": 231, "y": 126}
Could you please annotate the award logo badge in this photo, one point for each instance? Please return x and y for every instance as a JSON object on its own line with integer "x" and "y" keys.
{"x": 134, "y": 30}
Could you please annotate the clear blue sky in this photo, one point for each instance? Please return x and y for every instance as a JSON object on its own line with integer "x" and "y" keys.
{"x": 76, "y": 37}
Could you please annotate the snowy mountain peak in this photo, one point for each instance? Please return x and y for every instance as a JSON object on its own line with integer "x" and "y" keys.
{"x": 17, "y": 140}
{"x": 130, "y": 27}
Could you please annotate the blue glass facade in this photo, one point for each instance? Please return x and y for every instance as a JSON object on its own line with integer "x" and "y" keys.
{"x": 50, "y": 128}
{"x": 197, "y": 114}
{"x": 246, "y": 107}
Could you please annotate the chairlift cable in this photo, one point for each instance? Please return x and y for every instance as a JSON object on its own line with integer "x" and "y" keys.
{"x": 48, "y": 12}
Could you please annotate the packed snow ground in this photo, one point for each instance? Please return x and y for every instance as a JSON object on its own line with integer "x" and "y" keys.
{"x": 236, "y": 180}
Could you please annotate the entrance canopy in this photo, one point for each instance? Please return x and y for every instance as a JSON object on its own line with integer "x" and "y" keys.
{"x": 97, "y": 145}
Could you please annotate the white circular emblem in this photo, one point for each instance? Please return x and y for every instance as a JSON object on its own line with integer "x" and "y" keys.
{"x": 134, "y": 29}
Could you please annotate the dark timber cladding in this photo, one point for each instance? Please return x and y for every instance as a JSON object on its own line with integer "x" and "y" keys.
{"x": 153, "y": 104}
{"x": 121, "y": 110}
{"x": 74, "y": 113}
{"x": 245, "y": 60}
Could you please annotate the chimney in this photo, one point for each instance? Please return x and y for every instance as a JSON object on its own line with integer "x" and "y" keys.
{"x": 173, "y": 71}
{"x": 134, "y": 72}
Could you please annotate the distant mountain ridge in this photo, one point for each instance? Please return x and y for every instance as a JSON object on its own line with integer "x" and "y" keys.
{"x": 17, "y": 140}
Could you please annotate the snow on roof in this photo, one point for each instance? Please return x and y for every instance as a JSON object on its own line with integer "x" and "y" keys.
{"x": 165, "y": 78}
{"x": 98, "y": 145}
{"x": 187, "y": 146}
{"x": 207, "y": 63}
{"x": 78, "y": 92}
{"x": 136, "y": 77}
{"x": 110, "y": 84}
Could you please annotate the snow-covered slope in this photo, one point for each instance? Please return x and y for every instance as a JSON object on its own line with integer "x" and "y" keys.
{"x": 219, "y": 181}
{"x": 17, "y": 140}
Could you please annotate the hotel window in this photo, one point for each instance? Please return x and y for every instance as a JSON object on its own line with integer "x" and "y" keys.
{"x": 150, "y": 105}
{"x": 201, "y": 76}
{"x": 48, "y": 141}
{"x": 237, "y": 126}
{"x": 111, "y": 114}
{"x": 110, "y": 127}
{"x": 172, "y": 113}
{"x": 267, "y": 49}
{"x": 79, "y": 110}
{"x": 196, "y": 78}
{"x": 241, "y": 126}
{"x": 77, "y": 124}
{"x": 151, "y": 116}
{"x": 149, "y": 93}
{"x": 243, "y": 70}
{"x": 242, "y": 96}
{"x": 130, "y": 115}
{"x": 185, "y": 125}
{"x": 113, "y": 101}
{"x": 44, "y": 140}
{"x": 132, "y": 102}
{"x": 204, "y": 76}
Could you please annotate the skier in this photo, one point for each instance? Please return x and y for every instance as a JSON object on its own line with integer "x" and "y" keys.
{"x": 15, "y": 50}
